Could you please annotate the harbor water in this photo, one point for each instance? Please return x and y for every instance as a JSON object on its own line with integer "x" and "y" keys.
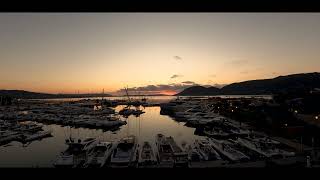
{"x": 145, "y": 127}
{"x": 42, "y": 153}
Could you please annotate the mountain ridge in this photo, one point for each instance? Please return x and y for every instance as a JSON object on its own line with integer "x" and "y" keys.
{"x": 293, "y": 82}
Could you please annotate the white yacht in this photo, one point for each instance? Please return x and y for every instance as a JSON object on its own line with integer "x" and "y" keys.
{"x": 180, "y": 156}
{"x": 206, "y": 150}
{"x": 227, "y": 151}
{"x": 27, "y": 137}
{"x": 264, "y": 149}
{"x": 76, "y": 152}
{"x": 194, "y": 154}
{"x": 126, "y": 152}
{"x": 99, "y": 154}
{"x": 147, "y": 156}
{"x": 165, "y": 152}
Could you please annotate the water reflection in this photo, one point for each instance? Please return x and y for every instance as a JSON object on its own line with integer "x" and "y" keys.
{"x": 145, "y": 127}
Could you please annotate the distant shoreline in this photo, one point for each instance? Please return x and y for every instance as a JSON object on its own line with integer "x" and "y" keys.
{"x": 160, "y": 97}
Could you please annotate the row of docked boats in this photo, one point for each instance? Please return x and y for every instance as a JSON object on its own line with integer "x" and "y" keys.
{"x": 93, "y": 153}
{"x": 85, "y": 121}
{"x": 123, "y": 153}
{"x": 75, "y": 113}
{"x": 166, "y": 153}
{"x": 224, "y": 129}
{"x": 21, "y": 132}
{"x": 197, "y": 114}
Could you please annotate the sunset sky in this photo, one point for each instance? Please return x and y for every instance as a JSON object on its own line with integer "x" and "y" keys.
{"x": 70, "y": 52}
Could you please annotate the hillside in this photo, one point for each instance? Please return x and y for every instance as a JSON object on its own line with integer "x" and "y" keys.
{"x": 290, "y": 83}
{"x": 199, "y": 91}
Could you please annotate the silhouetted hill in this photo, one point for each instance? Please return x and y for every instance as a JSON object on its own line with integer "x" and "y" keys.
{"x": 34, "y": 95}
{"x": 295, "y": 82}
{"x": 199, "y": 91}
{"x": 290, "y": 83}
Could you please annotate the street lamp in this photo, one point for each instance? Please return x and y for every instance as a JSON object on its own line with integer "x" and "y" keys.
{"x": 317, "y": 117}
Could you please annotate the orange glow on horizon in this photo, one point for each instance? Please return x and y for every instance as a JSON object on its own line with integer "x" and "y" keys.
{"x": 168, "y": 92}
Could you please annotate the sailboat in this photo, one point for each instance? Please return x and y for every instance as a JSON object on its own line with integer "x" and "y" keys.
{"x": 126, "y": 111}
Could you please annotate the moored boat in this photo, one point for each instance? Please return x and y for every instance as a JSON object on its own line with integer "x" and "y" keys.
{"x": 227, "y": 151}
{"x": 147, "y": 157}
{"x": 125, "y": 153}
{"x": 194, "y": 153}
{"x": 165, "y": 152}
{"x": 206, "y": 150}
{"x": 267, "y": 150}
{"x": 8, "y": 136}
{"x": 76, "y": 153}
{"x": 27, "y": 137}
{"x": 180, "y": 156}
{"x": 99, "y": 154}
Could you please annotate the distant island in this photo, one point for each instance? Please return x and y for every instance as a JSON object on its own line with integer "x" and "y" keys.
{"x": 21, "y": 94}
{"x": 281, "y": 84}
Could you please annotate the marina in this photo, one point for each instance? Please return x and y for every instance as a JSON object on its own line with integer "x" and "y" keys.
{"x": 45, "y": 153}
{"x": 148, "y": 140}
{"x": 159, "y": 90}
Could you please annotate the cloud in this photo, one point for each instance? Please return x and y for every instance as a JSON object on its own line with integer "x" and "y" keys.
{"x": 213, "y": 75}
{"x": 161, "y": 88}
{"x": 155, "y": 89}
{"x": 177, "y": 57}
{"x": 175, "y": 76}
{"x": 188, "y": 82}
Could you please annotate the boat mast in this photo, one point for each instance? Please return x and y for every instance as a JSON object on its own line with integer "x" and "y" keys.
{"x": 102, "y": 97}
{"x": 126, "y": 89}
